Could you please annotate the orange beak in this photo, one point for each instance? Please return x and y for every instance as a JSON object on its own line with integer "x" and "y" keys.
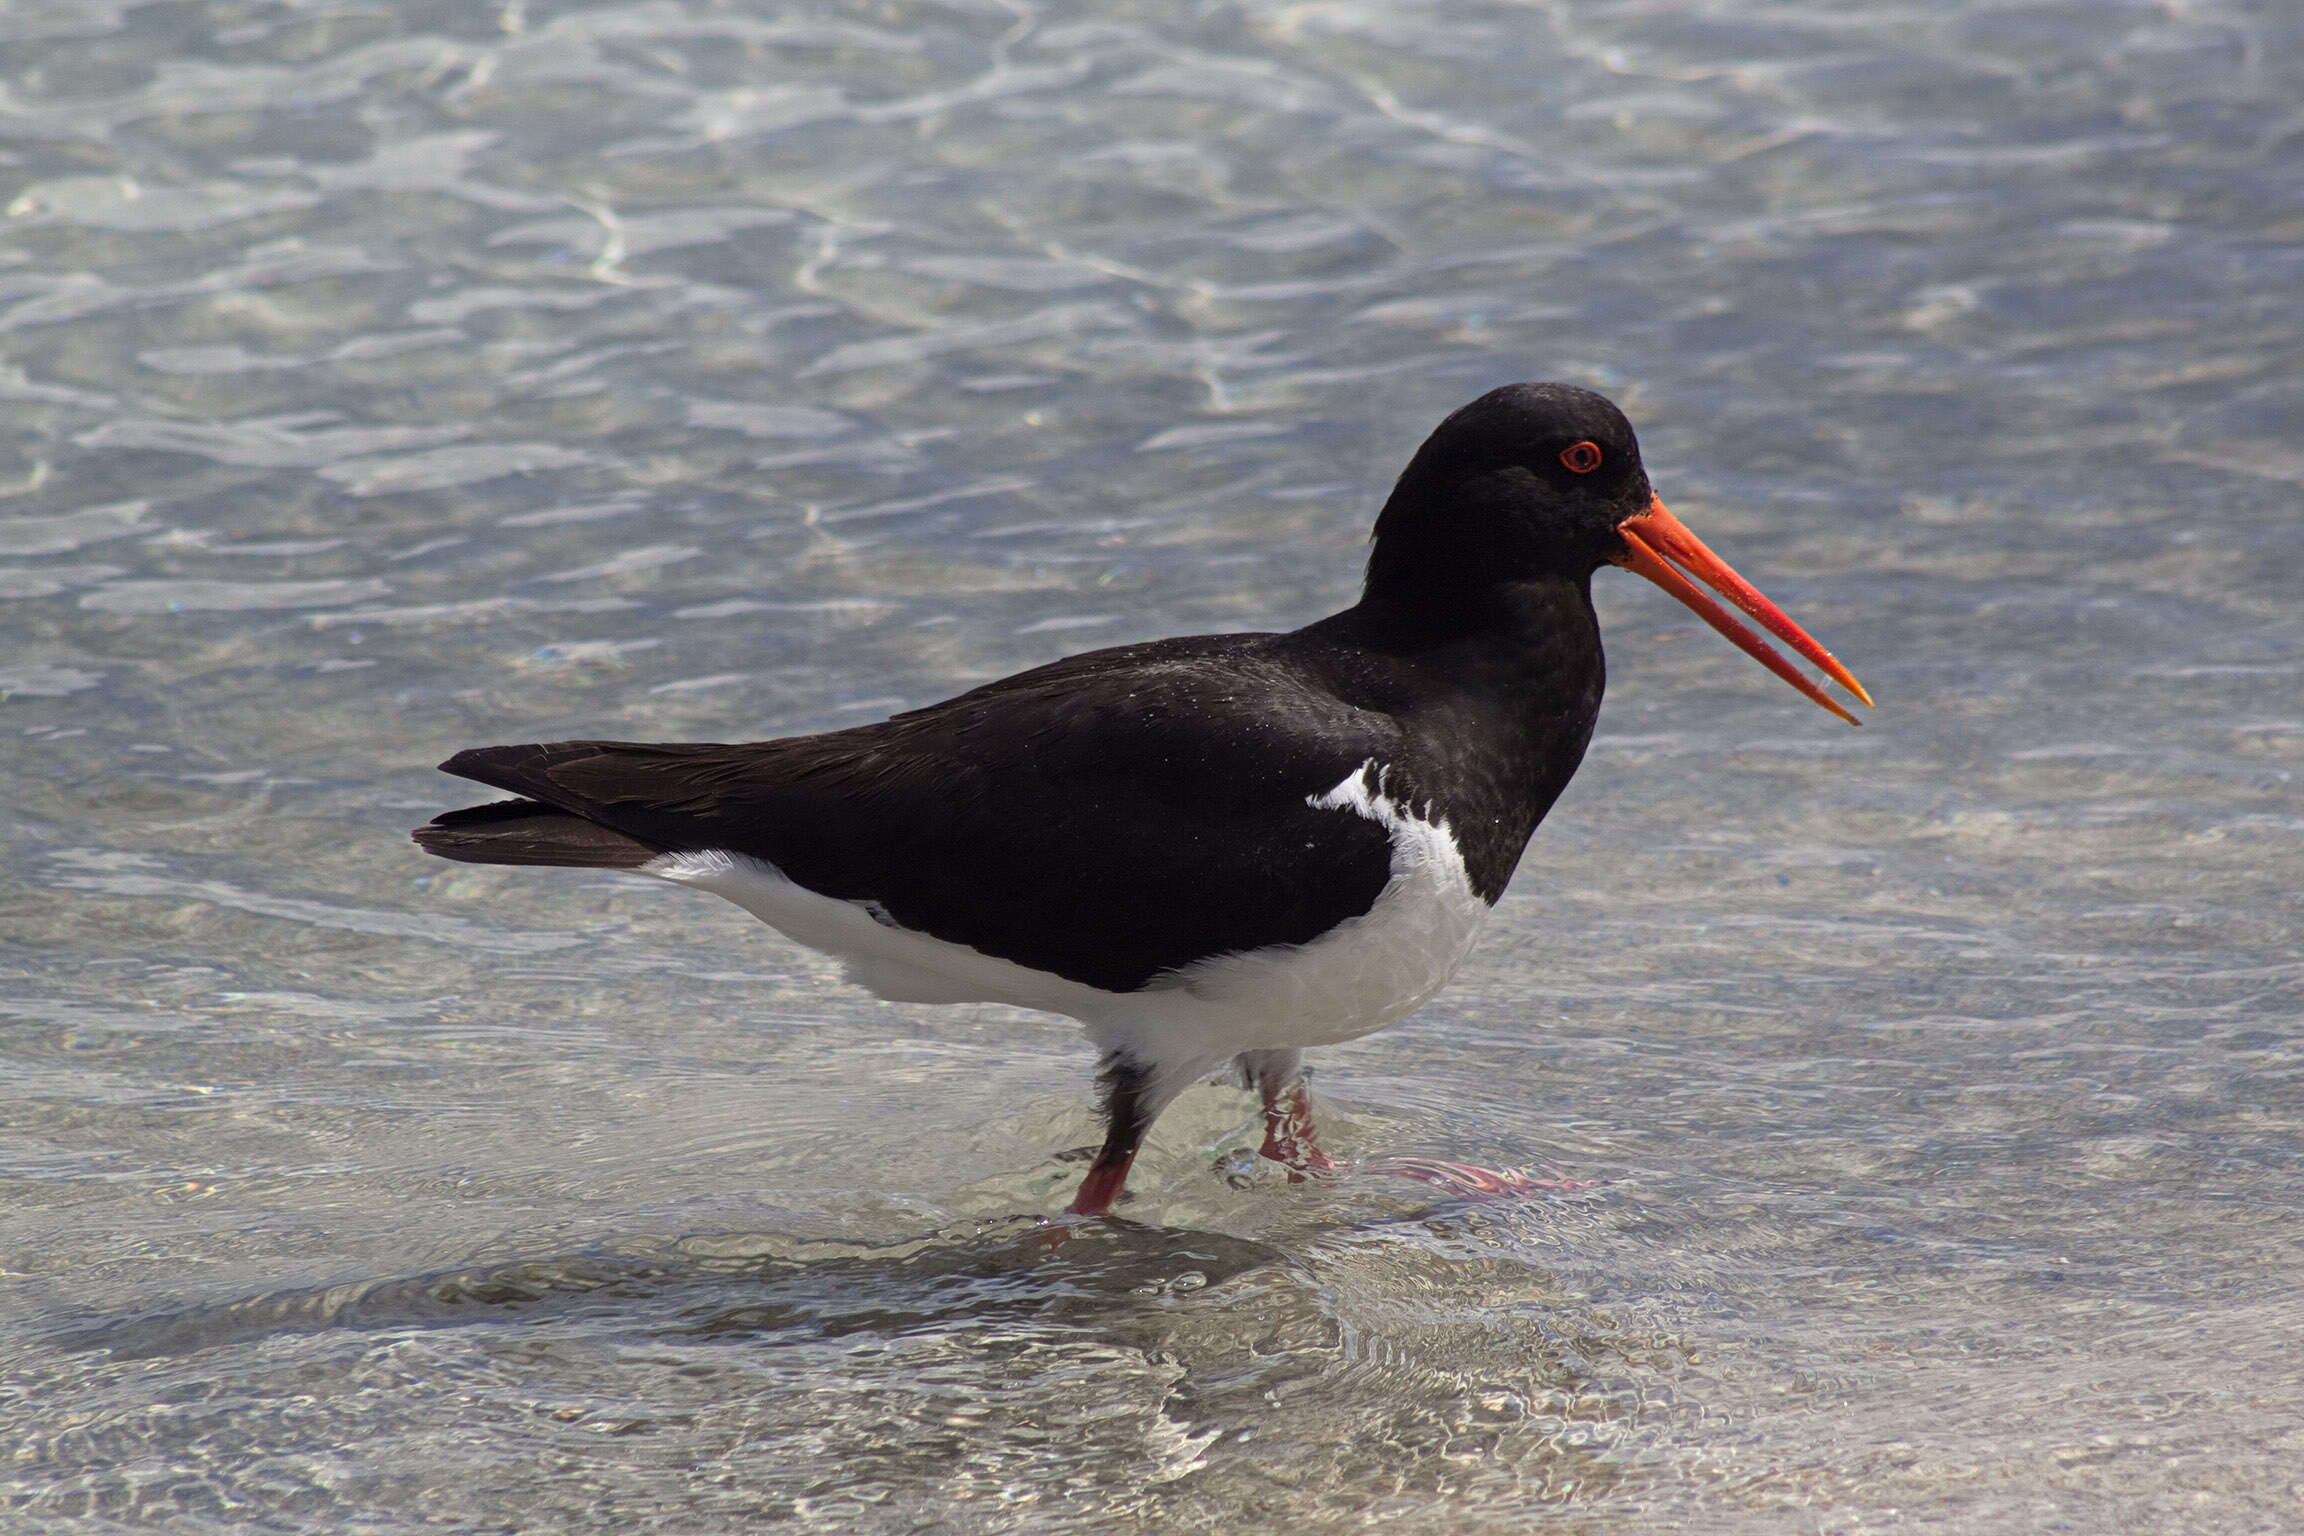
{"x": 1656, "y": 536}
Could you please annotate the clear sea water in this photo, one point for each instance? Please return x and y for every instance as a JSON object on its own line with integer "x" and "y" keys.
{"x": 381, "y": 379}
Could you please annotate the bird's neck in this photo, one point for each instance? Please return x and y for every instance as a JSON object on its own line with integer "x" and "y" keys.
{"x": 1499, "y": 691}
{"x": 1536, "y": 641}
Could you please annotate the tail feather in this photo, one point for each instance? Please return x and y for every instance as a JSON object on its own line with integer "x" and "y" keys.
{"x": 524, "y": 832}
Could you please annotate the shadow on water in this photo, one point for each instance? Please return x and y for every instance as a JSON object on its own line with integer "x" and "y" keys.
{"x": 740, "y": 1285}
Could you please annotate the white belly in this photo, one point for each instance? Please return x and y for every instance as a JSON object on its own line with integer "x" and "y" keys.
{"x": 1361, "y": 975}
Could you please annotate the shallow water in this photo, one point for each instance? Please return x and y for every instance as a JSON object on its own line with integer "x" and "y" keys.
{"x": 388, "y": 379}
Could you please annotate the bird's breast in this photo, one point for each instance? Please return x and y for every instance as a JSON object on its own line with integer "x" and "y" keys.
{"x": 1365, "y": 972}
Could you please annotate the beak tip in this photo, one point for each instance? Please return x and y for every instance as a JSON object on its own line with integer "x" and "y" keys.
{"x": 1845, "y": 678}
{"x": 1657, "y": 545}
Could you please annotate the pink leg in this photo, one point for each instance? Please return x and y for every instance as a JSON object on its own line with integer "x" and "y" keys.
{"x": 1288, "y": 1134}
{"x": 1106, "y": 1177}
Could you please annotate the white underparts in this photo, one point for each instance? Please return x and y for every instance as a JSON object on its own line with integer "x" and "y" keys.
{"x": 1366, "y": 972}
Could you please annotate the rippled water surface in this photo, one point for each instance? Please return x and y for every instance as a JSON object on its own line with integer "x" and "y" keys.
{"x": 386, "y": 378}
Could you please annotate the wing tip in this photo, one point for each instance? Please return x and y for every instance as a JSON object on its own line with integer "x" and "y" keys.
{"x": 525, "y": 832}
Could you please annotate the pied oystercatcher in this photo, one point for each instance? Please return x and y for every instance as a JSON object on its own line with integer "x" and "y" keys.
{"x": 1211, "y": 848}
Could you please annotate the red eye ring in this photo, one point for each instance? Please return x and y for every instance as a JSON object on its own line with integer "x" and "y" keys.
{"x": 1581, "y": 458}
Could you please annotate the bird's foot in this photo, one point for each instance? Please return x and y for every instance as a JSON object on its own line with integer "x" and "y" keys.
{"x": 1460, "y": 1179}
{"x": 1465, "y": 1180}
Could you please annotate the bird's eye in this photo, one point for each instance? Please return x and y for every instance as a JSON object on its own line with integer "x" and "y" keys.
{"x": 1583, "y": 458}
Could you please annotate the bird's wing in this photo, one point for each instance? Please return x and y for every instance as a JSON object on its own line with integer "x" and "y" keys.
{"x": 1105, "y": 833}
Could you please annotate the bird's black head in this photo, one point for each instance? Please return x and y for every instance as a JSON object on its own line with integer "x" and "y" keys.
{"x": 1543, "y": 481}
{"x": 1528, "y": 481}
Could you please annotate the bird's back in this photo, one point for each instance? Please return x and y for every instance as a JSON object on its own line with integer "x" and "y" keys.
{"x": 1106, "y": 818}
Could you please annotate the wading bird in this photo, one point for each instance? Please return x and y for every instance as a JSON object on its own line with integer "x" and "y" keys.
{"x": 1207, "y": 849}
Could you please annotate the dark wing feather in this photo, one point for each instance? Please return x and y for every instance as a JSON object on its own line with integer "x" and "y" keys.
{"x": 1106, "y": 833}
{"x": 523, "y": 832}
